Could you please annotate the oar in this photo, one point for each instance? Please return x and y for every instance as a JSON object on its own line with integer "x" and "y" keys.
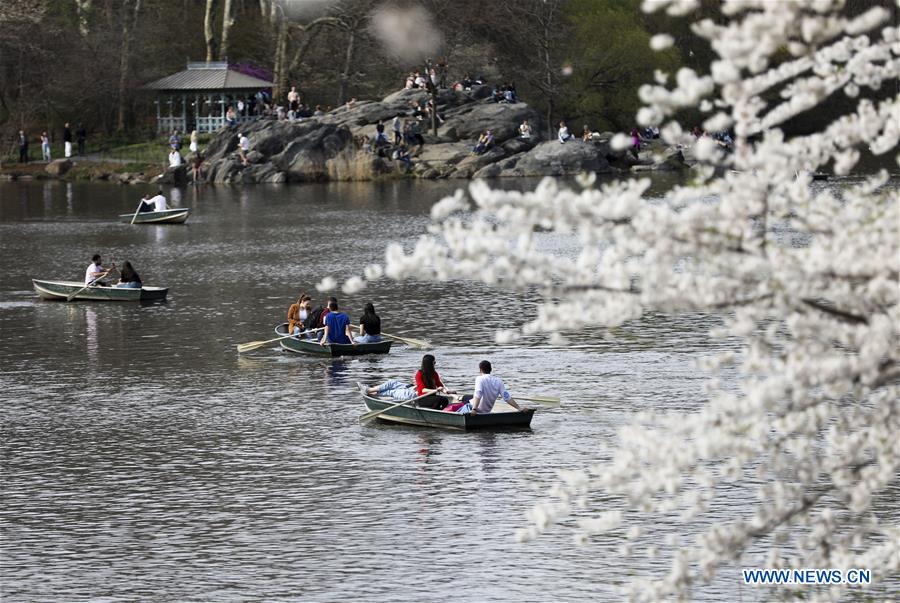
{"x": 365, "y": 418}
{"x": 416, "y": 343}
{"x": 246, "y": 347}
{"x": 71, "y": 296}
{"x": 137, "y": 210}
{"x": 548, "y": 400}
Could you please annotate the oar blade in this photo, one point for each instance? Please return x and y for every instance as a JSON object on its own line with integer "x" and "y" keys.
{"x": 253, "y": 345}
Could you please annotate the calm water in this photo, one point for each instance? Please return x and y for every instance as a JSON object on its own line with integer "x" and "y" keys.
{"x": 144, "y": 459}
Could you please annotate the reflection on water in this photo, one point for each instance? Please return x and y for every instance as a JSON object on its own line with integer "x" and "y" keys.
{"x": 144, "y": 459}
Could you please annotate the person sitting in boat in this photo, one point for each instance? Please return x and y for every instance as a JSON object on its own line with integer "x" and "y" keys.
{"x": 297, "y": 315}
{"x": 369, "y": 326}
{"x": 128, "y": 277}
{"x": 337, "y": 326}
{"x": 427, "y": 381}
{"x": 96, "y": 271}
{"x": 488, "y": 388}
{"x": 156, "y": 203}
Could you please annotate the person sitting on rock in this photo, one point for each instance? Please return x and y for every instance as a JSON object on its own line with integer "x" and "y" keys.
{"x": 525, "y": 130}
{"x": 410, "y": 81}
{"x": 586, "y": 134}
{"x": 401, "y": 153}
{"x": 175, "y": 158}
{"x": 563, "y": 134}
{"x": 484, "y": 142}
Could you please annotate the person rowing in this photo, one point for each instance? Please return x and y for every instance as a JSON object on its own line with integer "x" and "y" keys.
{"x": 488, "y": 388}
{"x": 96, "y": 271}
{"x": 337, "y": 326}
{"x": 153, "y": 203}
{"x": 427, "y": 381}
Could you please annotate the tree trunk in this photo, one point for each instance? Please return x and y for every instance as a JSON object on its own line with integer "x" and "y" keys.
{"x": 280, "y": 52}
{"x": 125, "y": 57}
{"x": 209, "y": 30}
{"x": 348, "y": 65}
{"x": 227, "y": 22}
{"x": 82, "y": 9}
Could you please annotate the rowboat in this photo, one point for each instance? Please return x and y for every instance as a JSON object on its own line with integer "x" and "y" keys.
{"x": 312, "y": 346}
{"x": 179, "y": 215}
{"x": 502, "y": 417}
{"x": 63, "y": 289}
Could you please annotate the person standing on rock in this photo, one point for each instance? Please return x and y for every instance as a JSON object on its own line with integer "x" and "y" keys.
{"x": 81, "y": 138}
{"x": 195, "y": 141}
{"x": 244, "y": 148}
{"x": 197, "y": 167}
{"x": 67, "y": 141}
{"x": 23, "y": 147}
{"x": 397, "y": 127}
{"x": 293, "y": 98}
{"x": 45, "y": 147}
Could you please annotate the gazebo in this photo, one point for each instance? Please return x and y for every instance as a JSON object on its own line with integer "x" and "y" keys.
{"x": 199, "y": 97}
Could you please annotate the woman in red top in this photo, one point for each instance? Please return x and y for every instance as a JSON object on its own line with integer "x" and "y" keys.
{"x": 427, "y": 381}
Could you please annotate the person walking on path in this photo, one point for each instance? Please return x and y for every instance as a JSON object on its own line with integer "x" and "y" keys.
{"x": 81, "y": 138}
{"x": 45, "y": 147}
{"x": 67, "y": 140}
{"x": 23, "y": 147}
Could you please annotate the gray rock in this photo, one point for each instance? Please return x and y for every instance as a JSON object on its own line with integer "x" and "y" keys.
{"x": 554, "y": 159}
{"x": 58, "y": 167}
{"x": 502, "y": 119}
{"x": 471, "y": 164}
{"x": 174, "y": 175}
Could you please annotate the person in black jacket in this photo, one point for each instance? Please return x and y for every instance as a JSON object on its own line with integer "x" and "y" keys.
{"x": 67, "y": 140}
{"x": 23, "y": 147}
{"x": 369, "y": 326}
{"x": 81, "y": 137}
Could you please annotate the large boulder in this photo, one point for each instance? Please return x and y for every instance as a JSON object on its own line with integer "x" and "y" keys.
{"x": 305, "y": 158}
{"x": 177, "y": 175}
{"x": 473, "y": 163}
{"x": 58, "y": 167}
{"x": 554, "y": 159}
{"x": 502, "y": 119}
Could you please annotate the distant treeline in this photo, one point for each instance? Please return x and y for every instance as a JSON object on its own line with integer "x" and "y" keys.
{"x": 84, "y": 61}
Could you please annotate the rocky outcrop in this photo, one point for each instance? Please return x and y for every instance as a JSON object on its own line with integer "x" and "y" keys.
{"x": 338, "y": 145}
{"x": 58, "y": 167}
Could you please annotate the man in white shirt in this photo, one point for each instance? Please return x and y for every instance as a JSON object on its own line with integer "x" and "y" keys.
{"x": 244, "y": 144}
{"x": 525, "y": 130}
{"x": 157, "y": 203}
{"x": 487, "y": 389}
{"x": 95, "y": 270}
{"x": 174, "y": 158}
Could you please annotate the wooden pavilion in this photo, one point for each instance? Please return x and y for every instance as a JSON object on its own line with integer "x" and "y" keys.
{"x": 199, "y": 97}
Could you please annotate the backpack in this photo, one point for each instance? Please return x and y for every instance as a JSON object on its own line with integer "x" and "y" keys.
{"x": 313, "y": 321}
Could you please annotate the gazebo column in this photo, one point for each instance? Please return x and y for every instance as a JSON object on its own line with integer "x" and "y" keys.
{"x": 184, "y": 112}
{"x": 159, "y": 127}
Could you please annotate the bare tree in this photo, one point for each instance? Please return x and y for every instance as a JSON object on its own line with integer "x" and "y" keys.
{"x": 129, "y": 21}
{"x": 227, "y": 23}
{"x": 209, "y": 30}
{"x": 353, "y": 19}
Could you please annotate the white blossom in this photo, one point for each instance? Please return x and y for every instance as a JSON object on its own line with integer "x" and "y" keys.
{"x": 803, "y": 281}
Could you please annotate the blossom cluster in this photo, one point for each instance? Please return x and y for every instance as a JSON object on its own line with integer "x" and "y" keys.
{"x": 807, "y": 279}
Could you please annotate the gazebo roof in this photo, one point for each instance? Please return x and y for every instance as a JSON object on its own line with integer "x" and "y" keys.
{"x": 206, "y": 77}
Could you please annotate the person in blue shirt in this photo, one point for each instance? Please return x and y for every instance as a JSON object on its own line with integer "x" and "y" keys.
{"x": 337, "y": 326}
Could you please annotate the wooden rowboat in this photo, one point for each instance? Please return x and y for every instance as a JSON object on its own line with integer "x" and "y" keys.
{"x": 312, "y": 346}
{"x": 63, "y": 289}
{"x": 502, "y": 417}
{"x": 179, "y": 215}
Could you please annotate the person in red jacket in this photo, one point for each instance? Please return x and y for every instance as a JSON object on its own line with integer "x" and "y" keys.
{"x": 428, "y": 381}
